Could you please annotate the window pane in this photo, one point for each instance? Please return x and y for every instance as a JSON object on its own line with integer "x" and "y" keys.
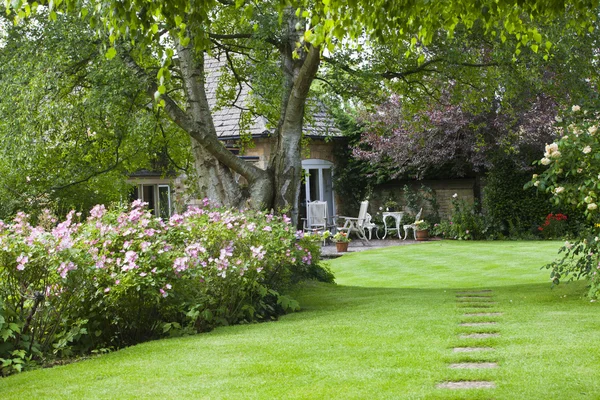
{"x": 148, "y": 197}
{"x": 164, "y": 201}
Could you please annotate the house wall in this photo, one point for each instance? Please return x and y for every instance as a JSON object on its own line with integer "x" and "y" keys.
{"x": 317, "y": 148}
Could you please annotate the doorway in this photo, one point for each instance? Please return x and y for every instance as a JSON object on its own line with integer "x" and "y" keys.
{"x": 318, "y": 185}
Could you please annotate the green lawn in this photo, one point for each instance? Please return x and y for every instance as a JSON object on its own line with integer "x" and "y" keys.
{"x": 386, "y": 331}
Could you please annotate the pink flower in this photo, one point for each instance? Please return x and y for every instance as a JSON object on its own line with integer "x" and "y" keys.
{"x": 257, "y": 252}
{"x": 267, "y": 228}
{"x": 22, "y": 260}
{"x": 107, "y": 290}
{"x": 180, "y": 264}
{"x": 168, "y": 286}
{"x": 98, "y": 211}
{"x": 65, "y": 267}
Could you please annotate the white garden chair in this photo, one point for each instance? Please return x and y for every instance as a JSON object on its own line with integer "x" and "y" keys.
{"x": 316, "y": 220}
{"x": 370, "y": 226}
{"x": 412, "y": 226}
{"x": 358, "y": 224}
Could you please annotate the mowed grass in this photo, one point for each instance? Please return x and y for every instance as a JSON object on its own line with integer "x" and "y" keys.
{"x": 386, "y": 331}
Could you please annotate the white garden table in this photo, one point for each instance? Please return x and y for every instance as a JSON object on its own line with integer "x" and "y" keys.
{"x": 397, "y": 216}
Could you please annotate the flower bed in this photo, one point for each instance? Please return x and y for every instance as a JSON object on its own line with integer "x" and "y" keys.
{"x": 122, "y": 276}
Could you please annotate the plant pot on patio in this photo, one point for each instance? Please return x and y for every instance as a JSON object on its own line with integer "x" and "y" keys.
{"x": 422, "y": 235}
{"x": 341, "y": 247}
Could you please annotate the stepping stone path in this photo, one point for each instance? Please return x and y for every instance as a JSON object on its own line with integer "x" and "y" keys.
{"x": 474, "y": 300}
{"x": 471, "y": 349}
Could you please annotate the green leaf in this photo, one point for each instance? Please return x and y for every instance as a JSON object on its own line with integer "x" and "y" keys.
{"x": 535, "y": 48}
{"x": 162, "y": 89}
{"x": 111, "y": 53}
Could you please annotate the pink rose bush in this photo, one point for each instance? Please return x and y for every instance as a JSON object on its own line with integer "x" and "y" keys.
{"x": 571, "y": 177}
{"x": 122, "y": 276}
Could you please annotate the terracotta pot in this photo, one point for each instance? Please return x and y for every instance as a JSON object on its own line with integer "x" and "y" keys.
{"x": 422, "y": 235}
{"x": 341, "y": 247}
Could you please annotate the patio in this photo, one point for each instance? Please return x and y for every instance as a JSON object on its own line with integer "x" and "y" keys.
{"x": 356, "y": 245}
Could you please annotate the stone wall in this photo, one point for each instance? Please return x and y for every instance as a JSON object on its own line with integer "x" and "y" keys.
{"x": 444, "y": 190}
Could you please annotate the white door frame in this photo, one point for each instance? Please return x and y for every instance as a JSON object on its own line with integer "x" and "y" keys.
{"x": 320, "y": 165}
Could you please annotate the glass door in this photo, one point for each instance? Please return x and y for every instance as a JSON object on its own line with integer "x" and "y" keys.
{"x": 318, "y": 185}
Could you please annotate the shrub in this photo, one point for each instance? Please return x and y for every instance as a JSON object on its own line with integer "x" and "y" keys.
{"x": 512, "y": 210}
{"x": 571, "y": 179}
{"x": 465, "y": 223}
{"x": 123, "y": 276}
{"x": 554, "y": 226}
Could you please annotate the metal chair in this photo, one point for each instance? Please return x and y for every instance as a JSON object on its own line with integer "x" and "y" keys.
{"x": 412, "y": 226}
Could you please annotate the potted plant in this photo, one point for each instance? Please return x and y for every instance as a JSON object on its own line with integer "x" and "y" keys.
{"x": 341, "y": 240}
{"x": 390, "y": 205}
{"x": 422, "y": 230}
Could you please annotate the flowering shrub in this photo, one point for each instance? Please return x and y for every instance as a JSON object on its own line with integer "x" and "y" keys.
{"x": 422, "y": 225}
{"x": 571, "y": 177}
{"x": 341, "y": 237}
{"x": 123, "y": 276}
{"x": 554, "y": 226}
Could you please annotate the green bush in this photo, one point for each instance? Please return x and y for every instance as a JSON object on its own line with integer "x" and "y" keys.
{"x": 512, "y": 210}
{"x": 466, "y": 222}
{"x": 122, "y": 276}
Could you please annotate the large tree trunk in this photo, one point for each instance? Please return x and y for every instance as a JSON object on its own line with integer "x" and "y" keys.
{"x": 286, "y": 160}
{"x": 214, "y": 180}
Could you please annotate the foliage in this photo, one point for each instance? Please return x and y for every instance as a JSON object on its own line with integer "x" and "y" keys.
{"x": 160, "y": 40}
{"x": 341, "y": 237}
{"x": 511, "y": 209}
{"x": 72, "y": 125}
{"x": 449, "y": 140}
{"x": 571, "y": 179}
{"x": 466, "y": 222}
{"x": 554, "y": 226}
{"x": 353, "y": 179}
{"x": 422, "y": 225}
{"x": 122, "y": 276}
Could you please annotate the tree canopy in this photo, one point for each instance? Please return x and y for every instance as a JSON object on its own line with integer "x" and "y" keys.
{"x": 72, "y": 125}
{"x": 163, "y": 43}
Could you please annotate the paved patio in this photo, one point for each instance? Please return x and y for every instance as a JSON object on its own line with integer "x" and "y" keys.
{"x": 329, "y": 250}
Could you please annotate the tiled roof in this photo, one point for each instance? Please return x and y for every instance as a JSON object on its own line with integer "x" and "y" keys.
{"x": 227, "y": 118}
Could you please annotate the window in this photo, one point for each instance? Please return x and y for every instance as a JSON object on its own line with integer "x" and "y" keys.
{"x": 158, "y": 197}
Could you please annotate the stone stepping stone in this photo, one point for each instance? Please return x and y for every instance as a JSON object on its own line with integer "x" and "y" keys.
{"x": 471, "y": 349}
{"x": 473, "y": 298}
{"x": 479, "y": 335}
{"x": 475, "y": 305}
{"x": 473, "y": 365}
{"x": 467, "y": 385}
{"x": 483, "y": 314}
{"x": 478, "y": 323}
{"x": 467, "y": 292}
